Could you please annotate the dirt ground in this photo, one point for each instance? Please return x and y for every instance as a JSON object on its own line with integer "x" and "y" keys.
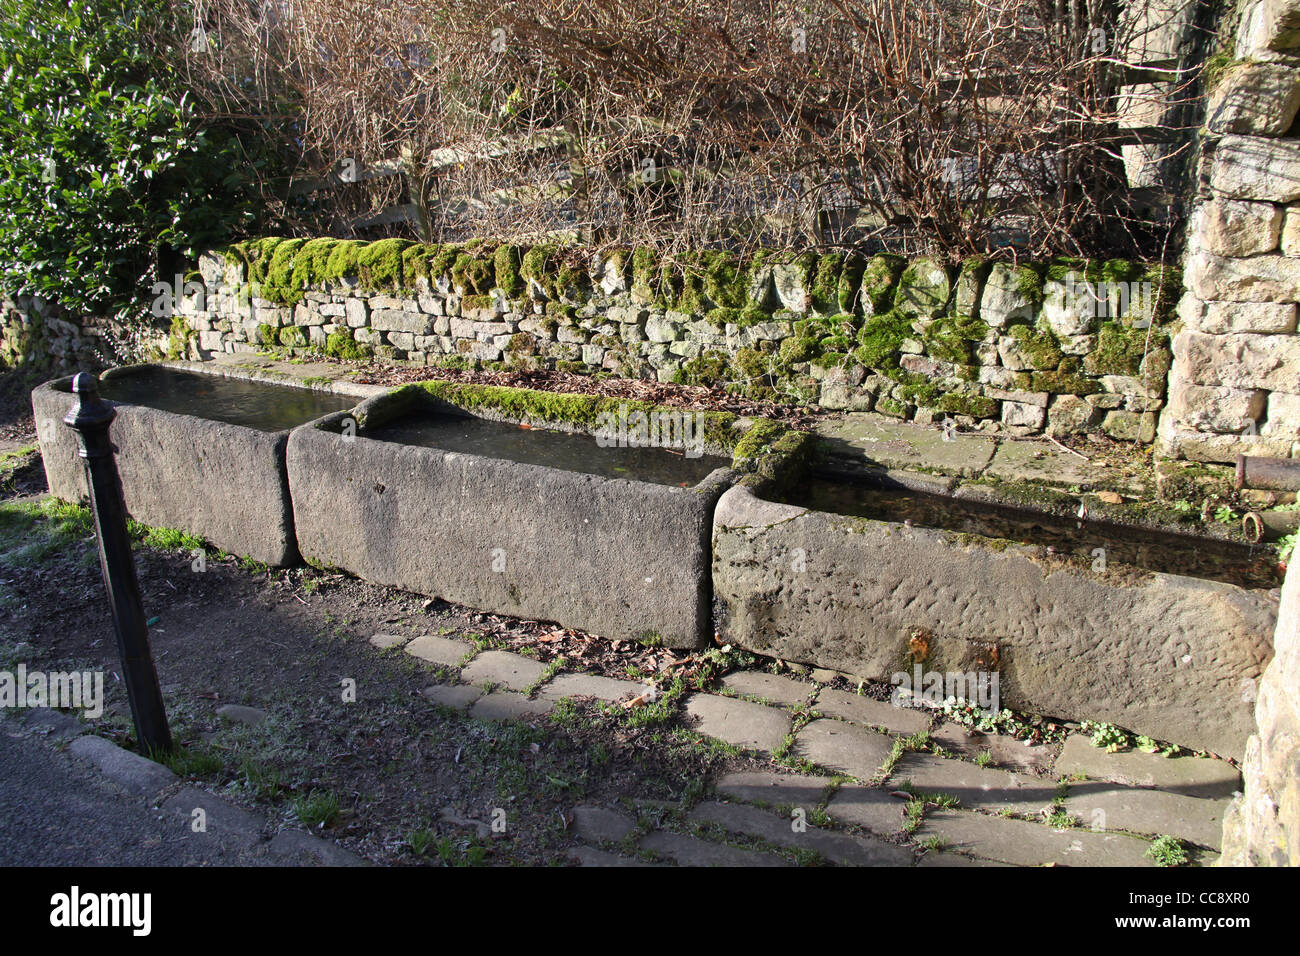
{"x": 406, "y": 774}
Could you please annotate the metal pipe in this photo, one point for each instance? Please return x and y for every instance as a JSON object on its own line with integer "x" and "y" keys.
{"x": 90, "y": 419}
{"x": 1268, "y": 474}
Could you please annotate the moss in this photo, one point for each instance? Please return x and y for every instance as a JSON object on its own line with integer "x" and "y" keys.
{"x": 880, "y": 338}
{"x": 415, "y": 264}
{"x": 826, "y": 283}
{"x": 880, "y": 283}
{"x": 1121, "y": 348}
{"x": 342, "y": 261}
{"x": 798, "y": 349}
{"x": 379, "y": 264}
{"x": 473, "y": 275}
{"x": 963, "y": 403}
{"x": 572, "y": 283}
{"x": 758, "y": 439}
{"x": 1040, "y": 345}
{"x": 341, "y": 345}
{"x": 849, "y": 283}
{"x": 682, "y": 281}
{"x": 1063, "y": 383}
{"x": 521, "y": 343}
{"x": 949, "y": 338}
{"x": 893, "y": 408}
{"x": 708, "y": 368}
{"x": 506, "y": 263}
{"x": 277, "y": 285}
{"x": 724, "y": 280}
{"x": 310, "y": 265}
{"x": 293, "y": 337}
{"x": 919, "y": 390}
{"x": 751, "y": 363}
{"x": 178, "y": 338}
{"x": 645, "y": 273}
{"x": 1029, "y": 283}
{"x": 473, "y": 302}
{"x": 260, "y": 252}
{"x": 441, "y": 262}
{"x": 560, "y": 312}
{"x": 266, "y": 334}
{"x": 536, "y": 265}
{"x": 584, "y": 411}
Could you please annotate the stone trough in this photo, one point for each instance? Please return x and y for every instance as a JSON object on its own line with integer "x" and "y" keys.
{"x": 215, "y": 469}
{"x": 1167, "y": 655}
{"x": 618, "y": 556}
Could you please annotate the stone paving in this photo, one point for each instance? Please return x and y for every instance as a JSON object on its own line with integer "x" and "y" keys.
{"x": 858, "y": 782}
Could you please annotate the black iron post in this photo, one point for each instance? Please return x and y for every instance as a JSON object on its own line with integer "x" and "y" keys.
{"x": 90, "y": 420}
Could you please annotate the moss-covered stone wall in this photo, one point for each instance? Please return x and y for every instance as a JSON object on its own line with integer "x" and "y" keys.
{"x": 1062, "y": 347}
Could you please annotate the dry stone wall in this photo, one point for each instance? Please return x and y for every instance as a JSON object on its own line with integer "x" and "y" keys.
{"x": 1061, "y": 348}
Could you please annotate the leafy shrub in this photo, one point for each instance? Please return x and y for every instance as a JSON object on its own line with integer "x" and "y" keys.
{"x": 109, "y": 179}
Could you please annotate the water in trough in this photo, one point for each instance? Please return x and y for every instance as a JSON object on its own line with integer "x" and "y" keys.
{"x": 552, "y": 449}
{"x": 1145, "y": 548}
{"x": 260, "y": 405}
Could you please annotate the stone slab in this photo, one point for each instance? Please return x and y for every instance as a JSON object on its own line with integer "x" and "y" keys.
{"x": 456, "y": 696}
{"x": 385, "y": 641}
{"x": 590, "y": 685}
{"x": 840, "y": 848}
{"x": 220, "y": 819}
{"x": 739, "y": 722}
{"x": 845, "y": 747}
{"x": 973, "y": 786}
{"x": 1041, "y": 463}
{"x": 49, "y": 722}
{"x": 869, "y": 807}
{"x": 774, "y": 789}
{"x": 503, "y": 668}
{"x": 501, "y": 705}
{"x": 691, "y": 851}
{"x": 601, "y": 825}
{"x": 1105, "y": 806}
{"x": 1192, "y": 776}
{"x": 1023, "y": 843}
{"x": 239, "y": 714}
{"x": 1007, "y": 752}
{"x": 773, "y": 687}
{"x": 938, "y": 858}
{"x": 876, "y": 440}
{"x": 129, "y": 771}
{"x": 439, "y": 650}
{"x": 296, "y": 845}
{"x": 590, "y": 856}
{"x": 871, "y": 713}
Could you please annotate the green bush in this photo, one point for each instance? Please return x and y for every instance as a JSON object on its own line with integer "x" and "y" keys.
{"x": 109, "y": 181}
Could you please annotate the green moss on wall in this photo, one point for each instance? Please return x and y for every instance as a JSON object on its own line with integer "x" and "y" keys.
{"x": 341, "y": 345}
{"x": 963, "y": 403}
{"x": 880, "y": 338}
{"x": 826, "y": 283}
{"x": 507, "y": 262}
{"x": 379, "y": 264}
{"x": 880, "y": 283}
{"x": 342, "y": 261}
{"x": 1039, "y": 345}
